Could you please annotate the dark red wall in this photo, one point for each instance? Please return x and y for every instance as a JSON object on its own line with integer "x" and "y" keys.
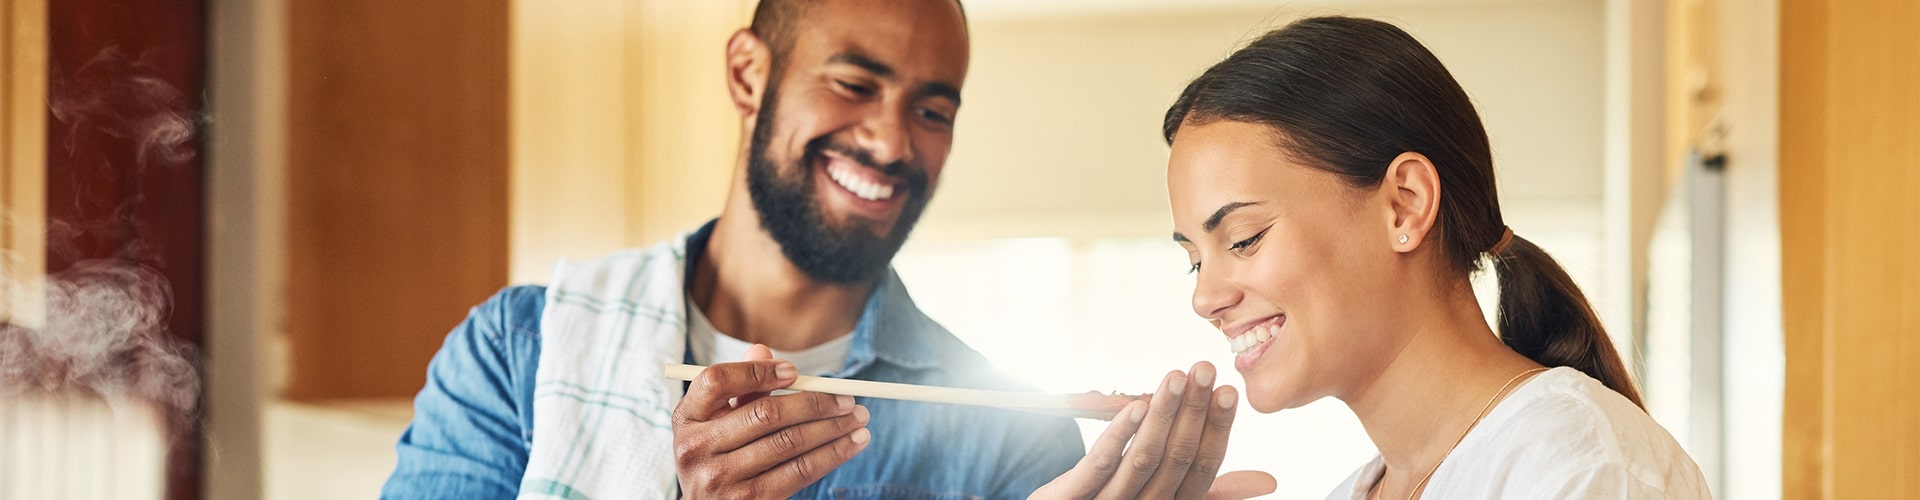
{"x": 126, "y": 87}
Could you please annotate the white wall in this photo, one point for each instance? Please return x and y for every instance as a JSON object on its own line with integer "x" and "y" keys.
{"x": 1755, "y": 350}
{"x": 1063, "y": 113}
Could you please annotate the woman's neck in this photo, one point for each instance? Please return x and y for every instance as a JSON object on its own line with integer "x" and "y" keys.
{"x": 1416, "y": 407}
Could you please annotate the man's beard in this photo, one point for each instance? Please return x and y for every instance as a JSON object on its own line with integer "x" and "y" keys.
{"x": 789, "y": 212}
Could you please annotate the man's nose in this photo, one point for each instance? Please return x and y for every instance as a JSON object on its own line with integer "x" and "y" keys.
{"x": 884, "y": 134}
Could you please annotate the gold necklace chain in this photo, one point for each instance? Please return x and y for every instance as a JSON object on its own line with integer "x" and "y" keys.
{"x": 1463, "y": 433}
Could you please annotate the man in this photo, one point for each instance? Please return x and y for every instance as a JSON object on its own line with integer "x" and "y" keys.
{"x": 848, "y": 107}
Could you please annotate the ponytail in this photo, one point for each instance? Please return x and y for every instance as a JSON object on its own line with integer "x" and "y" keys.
{"x": 1543, "y": 316}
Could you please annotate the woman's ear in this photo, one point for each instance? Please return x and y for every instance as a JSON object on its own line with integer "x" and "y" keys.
{"x": 748, "y": 65}
{"x": 1412, "y": 188}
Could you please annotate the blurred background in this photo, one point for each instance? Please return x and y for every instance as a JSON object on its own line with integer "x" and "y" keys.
{"x": 296, "y": 200}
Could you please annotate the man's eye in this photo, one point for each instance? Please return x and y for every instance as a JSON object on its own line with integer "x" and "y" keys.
{"x": 854, "y": 88}
{"x": 935, "y": 116}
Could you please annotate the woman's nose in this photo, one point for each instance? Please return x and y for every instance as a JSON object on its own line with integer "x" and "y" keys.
{"x": 1214, "y": 295}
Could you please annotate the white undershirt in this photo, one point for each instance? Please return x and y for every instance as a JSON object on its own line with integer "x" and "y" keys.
{"x": 1561, "y": 435}
{"x": 710, "y": 345}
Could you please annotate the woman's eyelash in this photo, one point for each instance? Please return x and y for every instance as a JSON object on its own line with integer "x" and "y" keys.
{"x": 1195, "y": 268}
{"x": 1249, "y": 241}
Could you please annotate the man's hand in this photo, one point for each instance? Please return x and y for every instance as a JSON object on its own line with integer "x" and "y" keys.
{"x": 1170, "y": 447}
{"x": 732, "y": 440}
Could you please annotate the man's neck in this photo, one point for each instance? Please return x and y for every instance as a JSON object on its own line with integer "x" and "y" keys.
{"x": 748, "y": 289}
{"x": 1419, "y": 403}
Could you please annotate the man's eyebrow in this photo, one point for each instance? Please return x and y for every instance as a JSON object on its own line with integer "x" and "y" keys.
{"x": 1214, "y": 221}
{"x": 855, "y": 58}
{"x": 941, "y": 89}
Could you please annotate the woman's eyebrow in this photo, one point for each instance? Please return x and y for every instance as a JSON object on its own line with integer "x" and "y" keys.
{"x": 1213, "y": 222}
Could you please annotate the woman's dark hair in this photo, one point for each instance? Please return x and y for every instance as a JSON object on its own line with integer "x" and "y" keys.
{"x": 1347, "y": 96}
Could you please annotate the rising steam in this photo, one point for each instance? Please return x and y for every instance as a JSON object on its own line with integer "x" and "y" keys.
{"x": 105, "y": 332}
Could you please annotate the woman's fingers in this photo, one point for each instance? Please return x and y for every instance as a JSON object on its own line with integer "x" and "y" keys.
{"x": 1149, "y": 444}
{"x": 1102, "y": 460}
{"x": 1241, "y": 485}
{"x": 1213, "y": 444}
{"x": 1183, "y": 441}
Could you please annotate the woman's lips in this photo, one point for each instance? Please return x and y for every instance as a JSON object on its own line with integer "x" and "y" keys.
{"x": 1252, "y": 342}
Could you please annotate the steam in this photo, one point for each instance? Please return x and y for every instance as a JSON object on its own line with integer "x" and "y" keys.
{"x": 119, "y": 96}
{"x": 105, "y": 332}
{"x": 106, "y": 335}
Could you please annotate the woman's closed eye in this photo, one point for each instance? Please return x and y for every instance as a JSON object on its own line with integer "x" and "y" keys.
{"x": 1243, "y": 247}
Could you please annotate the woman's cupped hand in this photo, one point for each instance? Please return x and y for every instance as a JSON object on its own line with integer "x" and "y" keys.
{"x": 1168, "y": 447}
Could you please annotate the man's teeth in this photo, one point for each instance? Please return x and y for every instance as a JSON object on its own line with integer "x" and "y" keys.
{"x": 1253, "y": 338}
{"x": 861, "y": 187}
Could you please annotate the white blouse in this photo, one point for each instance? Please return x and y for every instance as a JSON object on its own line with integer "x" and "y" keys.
{"x": 1560, "y": 435}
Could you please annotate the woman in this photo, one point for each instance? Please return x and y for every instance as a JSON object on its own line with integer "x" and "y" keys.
{"x": 1334, "y": 189}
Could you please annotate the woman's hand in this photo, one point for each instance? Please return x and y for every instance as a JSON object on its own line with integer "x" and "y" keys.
{"x": 1170, "y": 447}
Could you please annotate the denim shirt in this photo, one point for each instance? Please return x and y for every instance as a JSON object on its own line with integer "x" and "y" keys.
{"x": 473, "y": 421}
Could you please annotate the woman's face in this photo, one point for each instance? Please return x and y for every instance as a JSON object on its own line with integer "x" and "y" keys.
{"x": 1287, "y": 252}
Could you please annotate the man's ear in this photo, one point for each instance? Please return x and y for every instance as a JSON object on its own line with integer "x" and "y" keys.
{"x": 1412, "y": 188}
{"x": 749, "y": 63}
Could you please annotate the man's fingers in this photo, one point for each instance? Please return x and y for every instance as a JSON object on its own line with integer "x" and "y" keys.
{"x": 1183, "y": 441}
{"x": 710, "y": 391}
{"x": 1149, "y": 442}
{"x": 1241, "y": 485}
{"x": 759, "y": 352}
{"x": 765, "y": 416}
{"x": 782, "y": 445}
{"x": 789, "y": 477}
{"x": 1213, "y": 444}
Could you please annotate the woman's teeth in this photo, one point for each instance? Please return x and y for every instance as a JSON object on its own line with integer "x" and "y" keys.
{"x": 870, "y": 191}
{"x": 1253, "y": 337}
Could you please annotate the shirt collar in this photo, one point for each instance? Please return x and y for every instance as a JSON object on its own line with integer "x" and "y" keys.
{"x": 890, "y": 328}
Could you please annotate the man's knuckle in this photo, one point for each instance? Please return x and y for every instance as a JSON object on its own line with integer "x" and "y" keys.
{"x": 804, "y": 469}
{"x": 787, "y": 441}
{"x": 765, "y": 414}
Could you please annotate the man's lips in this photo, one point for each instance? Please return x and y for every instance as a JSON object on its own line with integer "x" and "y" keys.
{"x": 864, "y": 183}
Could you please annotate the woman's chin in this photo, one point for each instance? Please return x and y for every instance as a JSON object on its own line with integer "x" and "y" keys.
{"x": 1270, "y": 397}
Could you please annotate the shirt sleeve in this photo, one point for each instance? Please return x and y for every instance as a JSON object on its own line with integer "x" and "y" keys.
{"x": 1040, "y": 454}
{"x": 1606, "y": 481}
{"x": 472, "y": 422}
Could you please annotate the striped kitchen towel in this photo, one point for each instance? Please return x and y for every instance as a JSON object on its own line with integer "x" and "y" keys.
{"x": 602, "y": 410}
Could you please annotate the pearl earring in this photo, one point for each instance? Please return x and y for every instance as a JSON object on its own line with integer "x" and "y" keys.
{"x": 1403, "y": 239}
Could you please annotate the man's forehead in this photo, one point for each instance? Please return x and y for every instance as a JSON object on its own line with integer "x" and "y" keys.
{"x": 915, "y": 38}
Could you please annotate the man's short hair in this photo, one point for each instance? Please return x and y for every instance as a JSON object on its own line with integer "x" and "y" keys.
{"x": 775, "y": 22}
